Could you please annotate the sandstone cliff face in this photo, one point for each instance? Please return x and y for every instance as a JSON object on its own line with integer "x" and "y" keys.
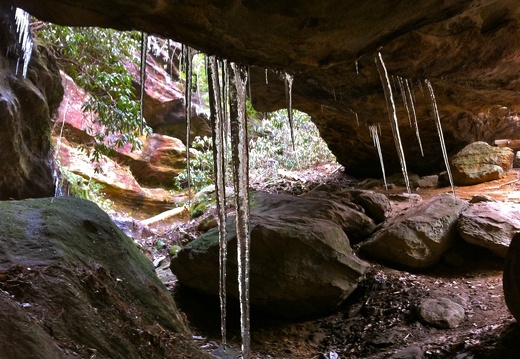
{"x": 26, "y": 105}
{"x": 468, "y": 49}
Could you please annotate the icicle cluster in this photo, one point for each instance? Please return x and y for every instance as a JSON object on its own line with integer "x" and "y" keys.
{"x": 375, "y": 137}
{"x": 23, "y": 22}
{"x": 392, "y": 113}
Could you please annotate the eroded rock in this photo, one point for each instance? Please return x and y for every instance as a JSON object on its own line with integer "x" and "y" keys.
{"x": 417, "y": 238}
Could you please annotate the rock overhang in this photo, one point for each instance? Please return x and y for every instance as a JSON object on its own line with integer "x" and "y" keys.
{"x": 468, "y": 49}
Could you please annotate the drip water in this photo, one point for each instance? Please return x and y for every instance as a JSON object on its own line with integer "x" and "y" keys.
{"x": 375, "y": 137}
{"x": 238, "y": 120}
{"x": 392, "y": 113}
{"x": 439, "y": 131}
{"x": 23, "y": 22}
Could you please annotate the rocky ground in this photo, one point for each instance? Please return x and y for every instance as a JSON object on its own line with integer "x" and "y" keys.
{"x": 380, "y": 320}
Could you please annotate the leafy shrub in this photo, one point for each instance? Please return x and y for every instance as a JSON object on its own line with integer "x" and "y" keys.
{"x": 94, "y": 58}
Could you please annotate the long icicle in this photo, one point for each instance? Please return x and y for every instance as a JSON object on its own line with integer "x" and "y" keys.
{"x": 411, "y": 99}
{"x": 288, "y": 79}
{"x": 439, "y": 131}
{"x": 238, "y": 80}
{"x": 144, "y": 51}
{"x": 377, "y": 144}
{"x": 217, "y": 127}
{"x": 188, "y": 68}
{"x": 392, "y": 113}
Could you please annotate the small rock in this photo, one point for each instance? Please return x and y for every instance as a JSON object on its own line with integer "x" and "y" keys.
{"x": 413, "y": 352}
{"x": 442, "y": 313}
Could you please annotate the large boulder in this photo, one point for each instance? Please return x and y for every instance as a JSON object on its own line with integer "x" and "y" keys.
{"x": 417, "y": 238}
{"x": 26, "y": 107}
{"x": 300, "y": 266}
{"x": 356, "y": 225}
{"x": 491, "y": 225}
{"x": 73, "y": 285}
{"x": 479, "y": 162}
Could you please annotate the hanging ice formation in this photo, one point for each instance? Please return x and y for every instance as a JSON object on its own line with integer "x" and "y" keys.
{"x": 288, "y": 79}
{"x": 439, "y": 131}
{"x": 238, "y": 121}
{"x": 375, "y": 137}
{"x": 144, "y": 51}
{"x": 392, "y": 113}
{"x": 217, "y": 125}
{"x": 187, "y": 54}
{"x": 23, "y": 22}
{"x": 411, "y": 99}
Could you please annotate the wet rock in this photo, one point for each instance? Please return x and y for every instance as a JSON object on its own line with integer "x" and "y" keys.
{"x": 442, "y": 313}
{"x": 511, "y": 279}
{"x": 491, "y": 225}
{"x": 479, "y": 162}
{"x": 417, "y": 238}
{"x": 75, "y": 286}
{"x": 300, "y": 266}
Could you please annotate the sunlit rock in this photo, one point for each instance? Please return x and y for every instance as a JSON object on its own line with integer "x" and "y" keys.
{"x": 479, "y": 162}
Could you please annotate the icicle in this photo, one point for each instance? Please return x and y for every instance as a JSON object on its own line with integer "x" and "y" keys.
{"x": 188, "y": 68}
{"x": 439, "y": 131}
{"x": 288, "y": 96}
{"x": 23, "y": 22}
{"x": 357, "y": 67}
{"x": 405, "y": 98}
{"x": 144, "y": 51}
{"x": 240, "y": 154}
{"x": 266, "y": 78}
{"x": 355, "y": 114}
{"x": 375, "y": 137}
{"x": 411, "y": 99}
{"x": 394, "y": 124}
{"x": 217, "y": 126}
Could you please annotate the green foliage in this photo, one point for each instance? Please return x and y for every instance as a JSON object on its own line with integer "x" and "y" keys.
{"x": 94, "y": 58}
{"x": 271, "y": 150}
{"x": 81, "y": 187}
{"x": 201, "y": 165}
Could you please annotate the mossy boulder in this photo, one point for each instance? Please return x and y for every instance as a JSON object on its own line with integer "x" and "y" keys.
{"x": 73, "y": 285}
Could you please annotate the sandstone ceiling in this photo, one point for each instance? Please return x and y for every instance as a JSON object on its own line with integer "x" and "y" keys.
{"x": 468, "y": 49}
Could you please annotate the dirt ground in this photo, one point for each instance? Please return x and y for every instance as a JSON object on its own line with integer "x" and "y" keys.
{"x": 380, "y": 319}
